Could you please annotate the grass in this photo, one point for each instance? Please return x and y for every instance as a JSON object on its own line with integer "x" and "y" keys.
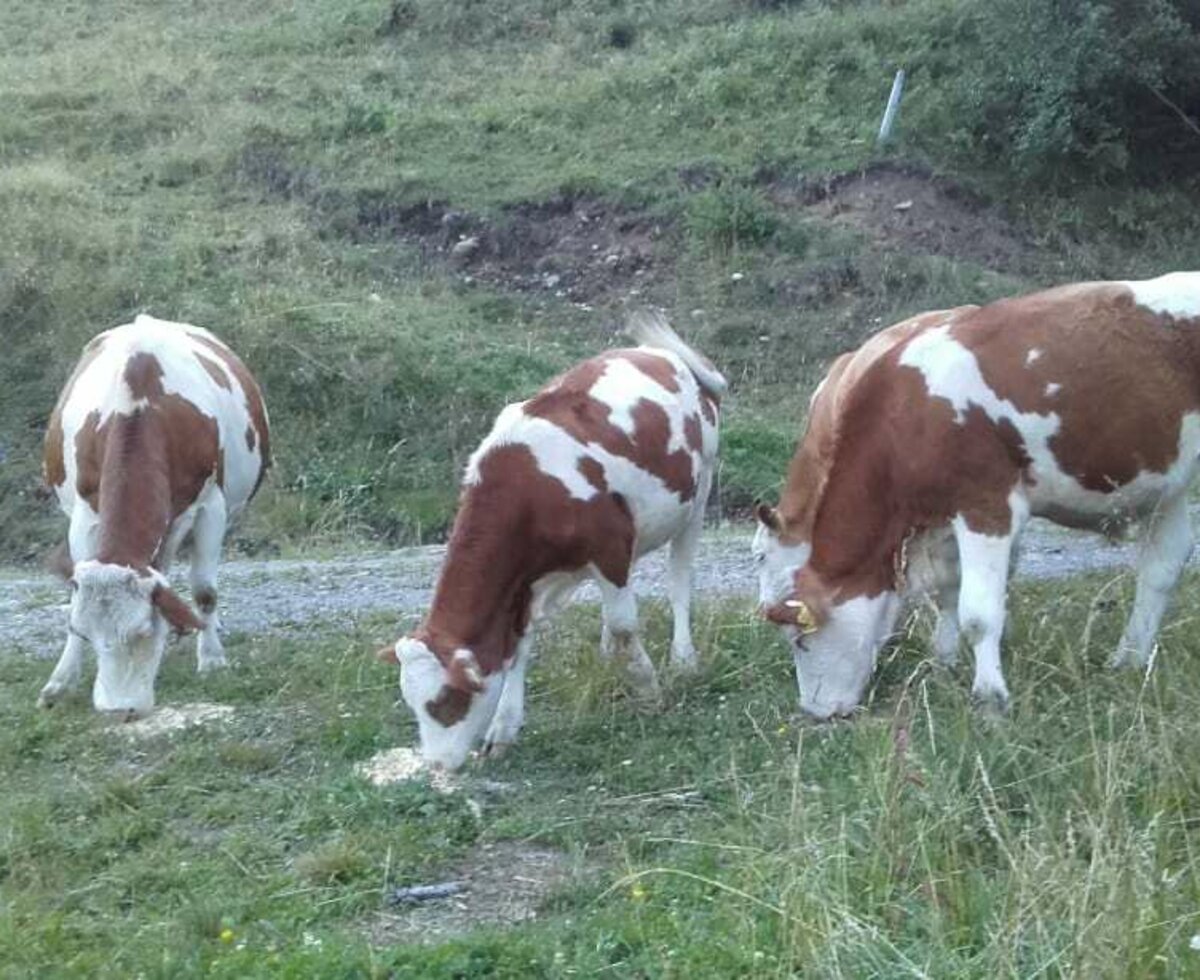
{"x": 255, "y": 168}
{"x": 721, "y": 837}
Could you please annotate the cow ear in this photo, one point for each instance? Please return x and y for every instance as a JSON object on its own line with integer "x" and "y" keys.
{"x": 768, "y": 516}
{"x": 177, "y": 612}
{"x": 59, "y": 562}
{"x": 387, "y": 655}
{"x": 464, "y": 672}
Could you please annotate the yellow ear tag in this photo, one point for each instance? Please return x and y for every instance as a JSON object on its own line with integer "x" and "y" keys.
{"x": 804, "y": 616}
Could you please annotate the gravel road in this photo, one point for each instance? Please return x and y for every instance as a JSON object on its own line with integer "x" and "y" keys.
{"x": 286, "y": 595}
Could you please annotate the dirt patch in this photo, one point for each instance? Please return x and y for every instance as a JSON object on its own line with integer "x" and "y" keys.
{"x": 583, "y": 250}
{"x": 903, "y": 208}
{"x": 167, "y": 720}
{"x": 505, "y": 883}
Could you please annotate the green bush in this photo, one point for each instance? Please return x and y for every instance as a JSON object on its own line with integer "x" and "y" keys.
{"x": 1098, "y": 87}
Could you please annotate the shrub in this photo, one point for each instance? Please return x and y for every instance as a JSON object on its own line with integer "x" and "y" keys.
{"x": 728, "y": 216}
{"x": 1110, "y": 85}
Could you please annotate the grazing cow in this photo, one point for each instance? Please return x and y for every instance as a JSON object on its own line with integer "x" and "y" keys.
{"x": 929, "y": 448}
{"x": 610, "y": 461}
{"x": 159, "y": 434}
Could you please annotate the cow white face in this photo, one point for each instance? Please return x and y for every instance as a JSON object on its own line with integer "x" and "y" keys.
{"x": 777, "y": 562}
{"x": 453, "y": 703}
{"x": 835, "y": 659}
{"x": 126, "y": 616}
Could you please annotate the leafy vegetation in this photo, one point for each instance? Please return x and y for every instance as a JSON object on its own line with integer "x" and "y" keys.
{"x": 718, "y": 838}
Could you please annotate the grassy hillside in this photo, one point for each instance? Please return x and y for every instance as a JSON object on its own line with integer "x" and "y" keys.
{"x": 717, "y": 839}
{"x": 294, "y": 175}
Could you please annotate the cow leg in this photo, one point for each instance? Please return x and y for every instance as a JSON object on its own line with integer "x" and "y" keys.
{"x": 621, "y": 639}
{"x": 984, "y": 561}
{"x": 1165, "y": 550}
{"x": 66, "y": 673}
{"x": 510, "y": 709}
{"x": 679, "y": 588}
{"x": 946, "y": 634}
{"x": 207, "y": 535}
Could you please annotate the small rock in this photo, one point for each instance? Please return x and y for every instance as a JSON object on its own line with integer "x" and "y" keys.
{"x": 903, "y": 206}
{"x": 738, "y": 276}
{"x": 463, "y": 250}
{"x": 551, "y": 280}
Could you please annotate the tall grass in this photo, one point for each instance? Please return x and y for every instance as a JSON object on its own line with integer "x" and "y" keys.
{"x": 721, "y": 837}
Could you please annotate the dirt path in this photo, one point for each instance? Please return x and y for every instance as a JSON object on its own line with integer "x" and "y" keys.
{"x": 284, "y": 595}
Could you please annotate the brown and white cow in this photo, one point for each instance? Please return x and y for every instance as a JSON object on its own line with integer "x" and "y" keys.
{"x": 159, "y": 434}
{"x": 610, "y": 461}
{"x": 929, "y": 448}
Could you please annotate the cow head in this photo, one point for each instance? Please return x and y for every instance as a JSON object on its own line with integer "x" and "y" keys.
{"x": 452, "y": 698}
{"x": 835, "y": 641}
{"x": 126, "y": 615}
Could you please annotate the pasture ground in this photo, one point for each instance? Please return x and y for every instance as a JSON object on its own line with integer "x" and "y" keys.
{"x": 722, "y": 837}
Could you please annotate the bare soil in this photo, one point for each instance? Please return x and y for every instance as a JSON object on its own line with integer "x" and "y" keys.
{"x": 905, "y": 208}
{"x": 506, "y": 883}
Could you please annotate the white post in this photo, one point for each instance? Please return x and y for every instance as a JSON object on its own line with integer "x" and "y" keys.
{"x": 893, "y": 105}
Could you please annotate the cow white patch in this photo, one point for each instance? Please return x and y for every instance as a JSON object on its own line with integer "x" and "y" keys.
{"x": 1032, "y": 357}
{"x": 834, "y": 664}
{"x": 1053, "y": 389}
{"x": 951, "y": 372}
{"x": 1175, "y": 294}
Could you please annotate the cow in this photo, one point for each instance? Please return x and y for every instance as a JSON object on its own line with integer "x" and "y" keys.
{"x": 929, "y": 448}
{"x": 160, "y": 435}
{"x": 610, "y": 461}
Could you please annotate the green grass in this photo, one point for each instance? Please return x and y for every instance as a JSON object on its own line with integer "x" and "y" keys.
{"x": 252, "y": 167}
{"x": 721, "y": 837}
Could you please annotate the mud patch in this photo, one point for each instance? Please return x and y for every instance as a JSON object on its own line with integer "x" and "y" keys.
{"x": 506, "y": 883}
{"x": 168, "y": 720}
{"x": 902, "y": 208}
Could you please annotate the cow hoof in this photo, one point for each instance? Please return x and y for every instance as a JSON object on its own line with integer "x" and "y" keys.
{"x": 1127, "y": 658}
{"x": 991, "y": 704}
{"x": 51, "y": 695}
{"x": 684, "y": 662}
{"x": 494, "y": 749}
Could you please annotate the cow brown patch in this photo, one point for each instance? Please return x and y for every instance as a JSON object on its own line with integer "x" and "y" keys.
{"x": 657, "y": 368}
{"x": 254, "y": 399}
{"x": 593, "y": 472}
{"x": 450, "y": 706}
{"x": 176, "y": 450}
{"x": 251, "y": 438}
{"x": 693, "y": 434}
{"x": 214, "y": 371}
{"x": 53, "y": 462}
{"x": 143, "y": 373}
{"x": 1140, "y": 379}
{"x": 568, "y": 403}
{"x": 708, "y": 405}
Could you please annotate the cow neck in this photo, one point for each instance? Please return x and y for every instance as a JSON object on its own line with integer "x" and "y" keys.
{"x": 482, "y": 597}
{"x": 135, "y": 492}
